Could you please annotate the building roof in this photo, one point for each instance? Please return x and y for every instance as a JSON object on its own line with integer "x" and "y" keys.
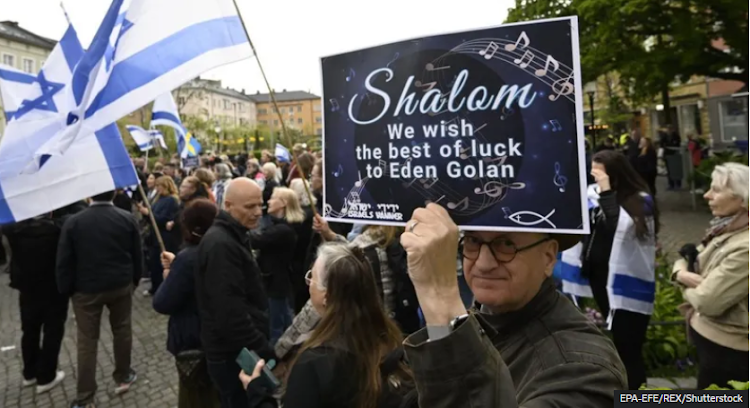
{"x": 742, "y": 92}
{"x": 215, "y": 86}
{"x": 284, "y": 96}
{"x": 12, "y": 31}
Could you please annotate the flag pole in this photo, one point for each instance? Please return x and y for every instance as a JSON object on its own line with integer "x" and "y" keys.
{"x": 276, "y": 108}
{"x": 151, "y": 217}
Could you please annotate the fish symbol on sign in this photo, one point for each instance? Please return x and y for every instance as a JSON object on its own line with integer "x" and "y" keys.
{"x": 517, "y": 217}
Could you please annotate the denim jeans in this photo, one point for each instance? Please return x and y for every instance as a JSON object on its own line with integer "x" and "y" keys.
{"x": 281, "y": 317}
{"x": 225, "y": 376}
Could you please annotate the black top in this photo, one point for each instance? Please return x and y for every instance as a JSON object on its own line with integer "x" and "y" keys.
{"x": 231, "y": 301}
{"x": 276, "y": 243}
{"x": 167, "y": 209}
{"x": 176, "y": 298}
{"x": 322, "y": 378}
{"x": 646, "y": 163}
{"x": 99, "y": 250}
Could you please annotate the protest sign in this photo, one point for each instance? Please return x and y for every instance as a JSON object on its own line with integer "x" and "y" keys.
{"x": 191, "y": 162}
{"x": 487, "y": 123}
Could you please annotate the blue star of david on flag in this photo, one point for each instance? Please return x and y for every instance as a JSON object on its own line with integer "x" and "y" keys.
{"x": 45, "y": 101}
{"x": 125, "y": 25}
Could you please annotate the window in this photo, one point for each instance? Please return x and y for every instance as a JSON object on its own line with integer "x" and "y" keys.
{"x": 299, "y": 108}
{"x": 9, "y": 59}
{"x": 318, "y": 131}
{"x": 299, "y": 121}
{"x": 241, "y": 107}
{"x": 733, "y": 114}
{"x": 227, "y": 104}
{"x": 181, "y": 101}
{"x": 689, "y": 120}
{"x": 262, "y": 111}
{"x": 28, "y": 65}
{"x": 263, "y": 122}
{"x": 318, "y": 120}
{"x": 316, "y": 107}
{"x": 213, "y": 103}
{"x": 276, "y": 122}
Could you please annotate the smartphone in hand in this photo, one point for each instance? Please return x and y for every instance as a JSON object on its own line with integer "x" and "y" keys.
{"x": 248, "y": 359}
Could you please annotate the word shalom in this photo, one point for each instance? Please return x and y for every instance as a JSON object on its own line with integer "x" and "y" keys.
{"x": 479, "y": 98}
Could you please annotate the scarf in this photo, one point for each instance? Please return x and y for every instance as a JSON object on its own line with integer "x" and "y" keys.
{"x": 723, "y": 225}
{"x": 631, "y": 283}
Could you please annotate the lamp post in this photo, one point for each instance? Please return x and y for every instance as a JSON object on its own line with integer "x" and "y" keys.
{"x": 217, "y": 129}
{"x": 591, "y": 92}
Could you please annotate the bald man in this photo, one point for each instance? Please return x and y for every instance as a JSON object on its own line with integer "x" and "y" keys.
{"x": 232, "y": 303}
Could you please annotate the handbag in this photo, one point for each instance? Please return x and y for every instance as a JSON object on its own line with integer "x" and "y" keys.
{"x": 190, "y": 364}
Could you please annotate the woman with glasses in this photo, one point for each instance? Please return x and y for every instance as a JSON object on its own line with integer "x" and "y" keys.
{"x": 619, "y": 257}
{"x": 353, "y": 357}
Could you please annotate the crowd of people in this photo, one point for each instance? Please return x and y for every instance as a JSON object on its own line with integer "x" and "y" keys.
{"x": 236, "y": 253}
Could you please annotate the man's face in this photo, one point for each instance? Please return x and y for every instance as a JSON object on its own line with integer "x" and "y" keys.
{"x": 247, "y": 209}
{"x": 507, "y": 286}
{"x": 169, "y": 171}
{"x": 186, "y": 190}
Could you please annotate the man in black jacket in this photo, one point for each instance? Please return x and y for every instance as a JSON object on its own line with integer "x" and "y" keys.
{"x": 233, "y": 306}
{"x": 44, "y": 309}
{"x": 99, "y": 260}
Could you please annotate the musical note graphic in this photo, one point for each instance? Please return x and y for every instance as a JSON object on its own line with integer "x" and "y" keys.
{"x": 555, "y": 66}
{"x": 463, "y": 155}
{"x": 428, "y": 182}
{"x": 500, "y": 159}
{"x": 339, "y": 171}
{"x": 560, "y": 180}
{"x": 354, "y": 197}
{"x": 383, "y": 165}
{"x": 556, "y": 126}
{"x": 464, "y": 204}
{"x": 521, "y": 38}
{"x": 517, "y": 217}
{"x": 351, "y": 75}
{"x": 358, "y": 183}
{"x": 496, "y": 189}
{"x": 431, "y": 67}
{"x": 425, "y": 87}
{"x": 334, "y": 105}
{"x": 436, "y": 201}
{"x": 528, "y": 56}
{"x": 490, "y": 51}
{"x": 562, "y": 86}
{"x": 395, "y": 57}
{"x": 506, "y": 112}
{"x": 407, "y": 185}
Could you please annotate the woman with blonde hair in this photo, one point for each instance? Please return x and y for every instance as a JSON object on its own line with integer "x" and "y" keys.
{"x": 270, "y": 171}
{"x": 277, "y": 243}
{"x": 304, "y": 238}
{"x": 166, "y": 210}
{"x": 206, "y": 177}
{"x": 714, "y": 278}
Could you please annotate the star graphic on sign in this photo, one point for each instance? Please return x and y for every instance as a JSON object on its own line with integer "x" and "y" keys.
{"x": 45, "y": 101}
{"x": 109, "y": 54}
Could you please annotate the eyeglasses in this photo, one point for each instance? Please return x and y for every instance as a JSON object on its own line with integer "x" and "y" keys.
{"x": 503, "y": 249}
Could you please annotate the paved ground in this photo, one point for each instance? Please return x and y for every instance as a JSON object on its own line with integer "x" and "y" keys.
{"x": 157, "y": 383}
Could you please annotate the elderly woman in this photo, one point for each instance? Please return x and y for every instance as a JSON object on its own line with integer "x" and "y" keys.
{"x": 223, "y": 177}
{"x": 715, "y": 286}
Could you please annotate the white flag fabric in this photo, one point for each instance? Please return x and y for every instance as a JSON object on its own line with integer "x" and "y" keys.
{"x": 165, "y": 113}
{"x": 282, "y": 154}
{"x": 95, "y": 163}
{"x": 145, "y": 139}
{"x": 144, "y": 50}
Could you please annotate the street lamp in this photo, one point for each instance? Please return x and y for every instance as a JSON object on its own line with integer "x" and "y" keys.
{"x": 217, "y": 129}
{"x": 590, "y": 89}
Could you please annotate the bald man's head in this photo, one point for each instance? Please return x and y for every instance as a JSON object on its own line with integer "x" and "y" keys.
{"x": 243, "y": 201}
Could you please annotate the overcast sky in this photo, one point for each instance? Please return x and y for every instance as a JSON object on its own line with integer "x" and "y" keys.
{"x": 290, "y": 35}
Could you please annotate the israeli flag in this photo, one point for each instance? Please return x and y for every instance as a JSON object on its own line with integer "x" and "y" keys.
{"x": 165, "y": 113}
{"x": 144, "y": 50}
{"x": 282, "y": 154}
{"x": 145, "y": 139}
{"x": 95, "y": 163}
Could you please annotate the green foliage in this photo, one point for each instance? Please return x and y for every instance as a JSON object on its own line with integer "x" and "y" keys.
{"x": 652, "y": 43}
{"x": 703, "y": 172}
{"x": 734, "y": 385}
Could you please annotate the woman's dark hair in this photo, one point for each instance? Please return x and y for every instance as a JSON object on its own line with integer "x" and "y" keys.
{"x": 306, "y": 161}
{"x": 157, "y": 174}
{"x": 196, "y": 218}
{"x": 200, "y": 188}
{"x": 627, "y": 185}
{"x": 355, "y": 320}
{"x": 104, "y": 197}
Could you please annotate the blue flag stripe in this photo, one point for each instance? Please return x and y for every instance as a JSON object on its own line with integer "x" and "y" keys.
{"x": 168, "y": 116}
{"x": 71, "y": 48}
{"x": 192, "y": 42}
{"x": 118, "y": 161}
{"x": 634, "y": 288}
{"x": 6, "y": 216}
{"x": 17, "y": 76}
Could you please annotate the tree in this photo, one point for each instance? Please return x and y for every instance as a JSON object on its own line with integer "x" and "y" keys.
{"x": 653, "y": 43}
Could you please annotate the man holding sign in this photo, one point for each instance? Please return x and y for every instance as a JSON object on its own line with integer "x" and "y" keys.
{"x": 485, "y": 129}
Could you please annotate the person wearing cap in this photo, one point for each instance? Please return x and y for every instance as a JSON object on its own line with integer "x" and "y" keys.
{"x": 522, "y": 344}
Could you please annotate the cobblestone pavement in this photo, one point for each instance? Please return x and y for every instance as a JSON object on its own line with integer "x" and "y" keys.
{"x": 157, "y": 377}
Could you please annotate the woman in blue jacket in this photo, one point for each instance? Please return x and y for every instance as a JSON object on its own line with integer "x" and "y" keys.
{"x": 176, "y": 298}
{"x": 166, "y": 209}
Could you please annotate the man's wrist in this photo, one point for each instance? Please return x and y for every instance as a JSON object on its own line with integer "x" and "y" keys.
{"x": 440, "y": 307}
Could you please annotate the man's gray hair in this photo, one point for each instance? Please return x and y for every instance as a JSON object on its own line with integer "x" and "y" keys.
{"x": 733, "y": 178}
{"x": 222, "y": 171}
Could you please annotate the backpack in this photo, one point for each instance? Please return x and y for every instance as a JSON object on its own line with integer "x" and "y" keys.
{"x": 406, "y": 308}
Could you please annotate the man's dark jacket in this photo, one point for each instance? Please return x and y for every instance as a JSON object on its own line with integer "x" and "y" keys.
{"x": 232, "y": 304}
{"x": 546, "y": 355}
{"x": 100, "y": 250}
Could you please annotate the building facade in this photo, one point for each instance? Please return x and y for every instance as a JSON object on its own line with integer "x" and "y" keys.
{"x": 22, "y": 49}
{"x": 299, "y": 110}
{"x": 221, "y": 106}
